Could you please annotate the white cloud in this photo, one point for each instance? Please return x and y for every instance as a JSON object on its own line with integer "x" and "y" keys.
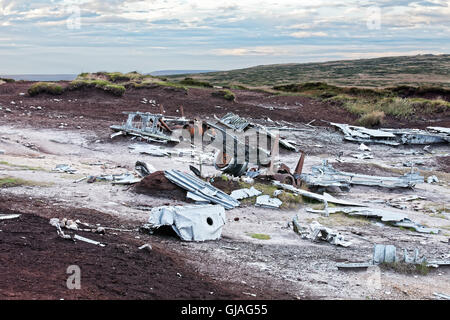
{"x": 308, "y": 34}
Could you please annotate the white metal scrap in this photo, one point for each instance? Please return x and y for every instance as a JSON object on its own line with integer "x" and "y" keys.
{"x": 190, "y": 223}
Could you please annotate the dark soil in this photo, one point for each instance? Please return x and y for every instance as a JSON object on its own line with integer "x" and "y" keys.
{"x": 34, "y": 261}
{"x": 156, "y": 184}
{"x": 95, "y": 109}
{"x": 444, "y": 163}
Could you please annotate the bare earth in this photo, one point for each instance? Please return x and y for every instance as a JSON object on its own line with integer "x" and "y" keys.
{"x": 34, "y": 260}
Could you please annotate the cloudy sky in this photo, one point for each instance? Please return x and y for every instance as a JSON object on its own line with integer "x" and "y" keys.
{"x": 73, "y": 36}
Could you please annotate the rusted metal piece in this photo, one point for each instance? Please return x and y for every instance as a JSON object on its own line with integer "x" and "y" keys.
{"x": 182, "y": 111}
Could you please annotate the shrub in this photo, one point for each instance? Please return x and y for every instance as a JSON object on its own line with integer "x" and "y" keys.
{"x": 375, "y": 118}
{"x": 45, "y": 87}
{"x": 8, "y": 80}
{"x": 397, "y": 107}
{"x": 225, "y": 94}
{"x": 195, "y": 82}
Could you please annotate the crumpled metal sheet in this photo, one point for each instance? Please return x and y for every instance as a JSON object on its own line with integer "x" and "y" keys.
{"x": 64, "y": 168}
{"x": 190, "y": 223}
{"x": 394, "y": 136}
{"x": 234, "y": 122}
{"x": 266, "y": 201}
{"x": 245, "y": 193}
{"x": 201, "y": 188}
{"x": 317, "y": 232}
{"x": 146, "y": 126}
{"x": 326, "y": 176}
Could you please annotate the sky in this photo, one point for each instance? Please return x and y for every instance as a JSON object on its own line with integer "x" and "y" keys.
{"x": 74, "y": 36}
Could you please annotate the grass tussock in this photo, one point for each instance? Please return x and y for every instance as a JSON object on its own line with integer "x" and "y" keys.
{"x": 225, "y": 94}
{"x": 45, "y": 87}
{"x": 195, "y": 83}
{"x": 373, "y": 119}
{"x": 114, "y": 89}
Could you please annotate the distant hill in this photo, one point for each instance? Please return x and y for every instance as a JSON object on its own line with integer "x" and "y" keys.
{"x": 177, "y": 72}
{"x": 41, "y": 77}
{"x": 432, "y": 70}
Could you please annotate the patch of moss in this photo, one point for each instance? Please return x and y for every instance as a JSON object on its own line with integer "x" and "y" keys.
{"x": 10, "y": 182}
{"x": 260, "y": 236}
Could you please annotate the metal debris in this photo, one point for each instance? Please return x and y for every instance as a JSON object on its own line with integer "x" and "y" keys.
{"x": 151, "y": 127}
{"x": 64, "y": 168}
{"x": 9, "y": 216}
{"x": 234, "y": 122}
{"x": 362, "y": 156}
{"x": 245, "y": 193}
{"x": 80, "y": 238}
{"x": 146, "y": 247}
{"x": 317, "y": 232}
{"x": 326, "y": 176}
{"x": 442, "y": 296}
{"x": 149, "y": 149}
{"x": 388, "y": 254}
{"x": 398, "y": 219}
{"x": 394, "y": 137}
{"x": 190, "y": 223}
{"x": 143, "y": 169}
{"x": 325, "y": 198}
{"x": 266, "y": 201}
{"x": 201, "y": 188}
{"x": 432, "y": 179}
{"x": 363, "y": 147}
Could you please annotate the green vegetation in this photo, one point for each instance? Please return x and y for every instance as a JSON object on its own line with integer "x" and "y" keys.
{"x": 196, "y": 83}
{"x": 407, "y": 268}
{"x": 430, "y": 70}
{"x": 45, "y": 87}
{"x": 373, "y": 119}
{"x": 260, "y": 236}
{"x": 21, "y": 167}
{"x": 343, "y": 219}
{"x": 7, "y": 80}
{"x": 114, "y": 76}
{"x": 225, "y": 94}
{"x": 117, "y": 90}
{"x": 171, "y": 85}
{"x": 372, "y": 105}
{"x": 10, "y": 182}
